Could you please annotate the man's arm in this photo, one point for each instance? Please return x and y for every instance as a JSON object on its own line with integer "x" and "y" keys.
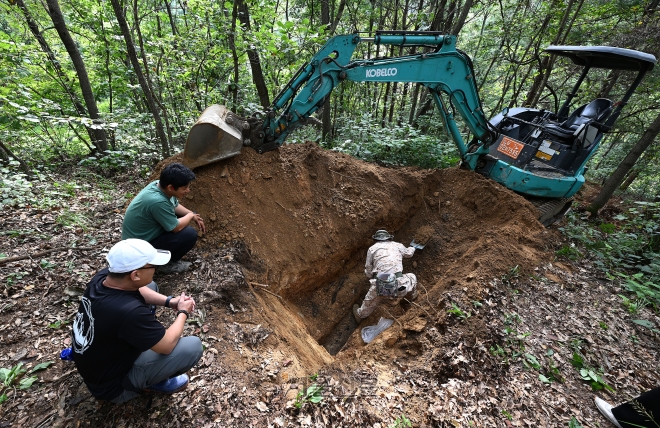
{"x": 152, "y": 297}
{"x": 369, "y": 264}
{"x": 406, "y": 252}
{"x": 172, "y": 335}
{"x": 185, "y": 217}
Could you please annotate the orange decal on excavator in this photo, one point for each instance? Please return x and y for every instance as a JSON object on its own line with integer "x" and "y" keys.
{"x": 510, "y": 147}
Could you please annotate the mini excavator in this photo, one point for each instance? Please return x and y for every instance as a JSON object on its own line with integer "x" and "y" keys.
{"x": 537, "y": 153}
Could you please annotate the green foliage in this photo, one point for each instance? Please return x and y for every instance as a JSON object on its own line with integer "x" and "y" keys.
{"x": 499, "y": 352}
{"x": 313, "y": 394}
{"x": 12, "y": 277}
{"x": 509, "y": 277}
{"x": 73, "y": 219}
{"x": 573, "y": 423}
{"x": 570, "y": 252}
{"x": 191, "y": 69}
{"x": 456, "y": 310}
{"x": 645, "y": 289}
{"x": 530, "y": 361}
{"x": 633, "y": 306}
{"x": 401, "y": 422}
{"x": 628, "y": 249}
{"x": 588, "y": 373}
{"x": 13, "y": 376}
{"x": 46, "y": 265}
{"x": 404, "y": 144}
{"x": 15, "y": 189}
{"x": 57, "y": 324}
{"x": 112, "y": 162}
{"x": 648, "y": 324}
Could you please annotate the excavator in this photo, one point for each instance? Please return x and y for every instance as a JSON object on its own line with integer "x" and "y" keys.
{"x": 537, "y": 153}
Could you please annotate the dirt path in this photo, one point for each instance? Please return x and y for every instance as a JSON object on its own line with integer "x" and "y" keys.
{"x": 276, "y": 276}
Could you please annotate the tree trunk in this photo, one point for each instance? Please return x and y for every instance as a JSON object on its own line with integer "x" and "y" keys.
{"x": 61, "y": 76}
{"x": 147, "y": 75}
{"x": 413, "y": 103}
{"x": 97, "y": 135}
{"x": 548, "y": 62}
{"x": 26, "y": 169}
{"x": 335, "y": 22}
{"x": 171, "y": 18}
{"x": 608, "y": 84}
{"x": 255, "y": 64}
{"x": 460, "y": 22}
{"x": 325, "y": 115}
{"x": 132, "y": 55}
{"x": 626, "y": 165}
{"x": 234, "y": 56}
{"x": 629, "y": 179}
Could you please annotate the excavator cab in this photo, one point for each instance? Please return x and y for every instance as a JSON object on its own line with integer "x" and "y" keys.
{"x": 558, "y": 145}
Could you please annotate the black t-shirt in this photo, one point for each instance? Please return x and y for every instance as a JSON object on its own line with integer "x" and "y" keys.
{"x": 110, "y": 331}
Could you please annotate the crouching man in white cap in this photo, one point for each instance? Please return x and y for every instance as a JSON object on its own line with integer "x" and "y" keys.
{"x": 119, "y": 347}
{"x": 384, "y": 268}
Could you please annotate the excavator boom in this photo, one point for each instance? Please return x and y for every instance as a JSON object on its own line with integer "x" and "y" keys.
{"x": 535, "y": 152}
{"x": 443, "y": 71}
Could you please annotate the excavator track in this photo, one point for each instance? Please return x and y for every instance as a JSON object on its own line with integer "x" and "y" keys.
{"x": 551, "y": 211}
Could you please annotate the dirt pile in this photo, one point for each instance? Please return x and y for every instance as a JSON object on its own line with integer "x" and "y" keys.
{"x": 306, "y": 217}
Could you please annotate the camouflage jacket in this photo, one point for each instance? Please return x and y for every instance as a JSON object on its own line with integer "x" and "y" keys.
{"x": 386, "y": 256}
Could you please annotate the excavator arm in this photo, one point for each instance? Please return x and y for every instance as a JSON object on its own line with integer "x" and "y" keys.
{"x": 444, "y": 71}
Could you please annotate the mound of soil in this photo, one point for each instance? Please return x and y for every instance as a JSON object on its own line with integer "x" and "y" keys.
{"x": 306, "y": 217}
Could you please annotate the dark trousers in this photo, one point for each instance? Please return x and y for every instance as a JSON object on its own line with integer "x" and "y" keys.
{"x": 176, "y": 243}
{"x": 643, "y": 411}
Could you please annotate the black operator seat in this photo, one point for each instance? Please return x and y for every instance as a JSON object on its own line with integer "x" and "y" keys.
{"x": 595, "y": 111}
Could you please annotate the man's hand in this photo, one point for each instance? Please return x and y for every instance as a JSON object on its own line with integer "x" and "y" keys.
{"x": 174, "y": 303}
{"x": 185, "y": 303}
{"x": 200, "y": 222}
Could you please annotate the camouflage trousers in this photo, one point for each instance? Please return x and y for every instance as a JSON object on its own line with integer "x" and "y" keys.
{"x": 407, "y": 288}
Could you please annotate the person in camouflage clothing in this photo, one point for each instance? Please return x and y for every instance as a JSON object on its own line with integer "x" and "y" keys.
{"x": 384, "y": 268}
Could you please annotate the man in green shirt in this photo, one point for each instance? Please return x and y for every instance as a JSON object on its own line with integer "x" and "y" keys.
{"x": 156, "y": 216}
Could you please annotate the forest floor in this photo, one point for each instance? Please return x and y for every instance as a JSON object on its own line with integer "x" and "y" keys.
{"x": 488, "y": 343}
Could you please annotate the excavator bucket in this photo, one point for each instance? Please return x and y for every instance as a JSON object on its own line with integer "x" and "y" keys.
{"x": 211, "y": 138}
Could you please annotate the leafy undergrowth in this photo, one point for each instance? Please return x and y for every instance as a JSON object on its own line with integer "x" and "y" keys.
{"x": 553, "y": 337}
{"x": 625, "y": 247}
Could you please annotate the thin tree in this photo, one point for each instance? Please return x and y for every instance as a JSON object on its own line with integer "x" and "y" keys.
{"x": 234, "y": 56}
{"x": 132, "y": 55}
{"x": 618, "y": 176}
{"x": 157, "y": 96}
{"x": 253, "y": 56}
{"x": 99, "y": 137}
{"x": 325, "y": 115}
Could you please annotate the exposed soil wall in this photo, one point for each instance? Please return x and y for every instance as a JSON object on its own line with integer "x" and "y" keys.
{"x": 306, "y": 217}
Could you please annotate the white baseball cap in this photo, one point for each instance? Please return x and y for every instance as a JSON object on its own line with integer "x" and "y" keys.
{"x": 131, "y": 254}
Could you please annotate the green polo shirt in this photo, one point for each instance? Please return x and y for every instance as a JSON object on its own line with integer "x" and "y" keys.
{"x": 150, "y": 214}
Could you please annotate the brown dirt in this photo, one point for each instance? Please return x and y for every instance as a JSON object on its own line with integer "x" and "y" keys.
{"x": 307, "y": 215}
{"x": 423, "y": 234}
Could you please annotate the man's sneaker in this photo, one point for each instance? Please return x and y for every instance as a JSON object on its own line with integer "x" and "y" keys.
{"x": 356, "y": 313}
{"x": 176, "y": 267}
{"x": 169, "y": 386}
{"x": 606, "y": 409}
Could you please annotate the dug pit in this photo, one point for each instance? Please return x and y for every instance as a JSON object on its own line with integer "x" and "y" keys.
{"x": 306, "y": 217}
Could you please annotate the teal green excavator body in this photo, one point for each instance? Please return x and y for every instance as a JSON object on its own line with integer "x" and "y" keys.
{"x": 537, "y": 153}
